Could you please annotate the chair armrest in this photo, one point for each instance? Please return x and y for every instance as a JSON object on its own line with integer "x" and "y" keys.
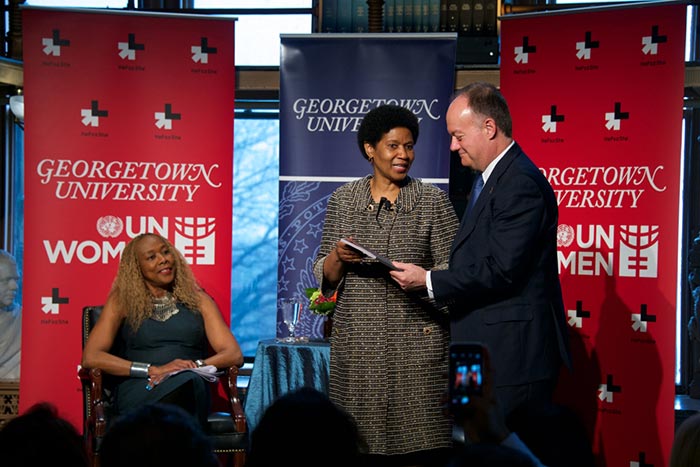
{"x": 96, "y": 421}
{"x": 92, "y": 377}
{"x": 229, "y": 380}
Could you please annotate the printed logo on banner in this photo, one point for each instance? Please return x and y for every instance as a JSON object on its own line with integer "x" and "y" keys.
{"x": 164, "y": 120}
{"x": 522, "y": 52}
{"x": 170, "y": 182}
{"x": 606, "y": 186}
{"x": 640, "y": 320}
{"x": 565, "y": 235}
{"x": 583, "y": 49}
{"x": 303, "y": 228}
{"x": 51, "y": 304}
{"x": 52, "y": 45}
{"x": 608, "y": 389}
{"x": 127, "y": 50}
{"x": 650, "y": 43}
{"x": 91, "y": 116}
{"x": 299, "y": 243}
{"x": 641, "y": 461}
{"x": 614, "y": 119}
{"x": 200, "y": 53}
{"x": 195, "y": 237}
{"x": 550, "y": 120}
{"x": 339, "y": 115}
{"x": 110, "y": 226}
{"x": 576, "y": 316}
{"x": 637, "y": 250}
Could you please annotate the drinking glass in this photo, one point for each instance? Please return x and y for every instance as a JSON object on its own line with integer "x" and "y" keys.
{"x": 290, "y": 311}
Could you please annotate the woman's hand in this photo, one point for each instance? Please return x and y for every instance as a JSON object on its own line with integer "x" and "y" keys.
{"x": 336, "y": 261}
{"x": 346, "y": 253}
{"x": 156, "y": 374}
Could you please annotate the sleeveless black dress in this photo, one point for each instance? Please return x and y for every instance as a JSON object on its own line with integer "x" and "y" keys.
{"x": 180, "y": 336}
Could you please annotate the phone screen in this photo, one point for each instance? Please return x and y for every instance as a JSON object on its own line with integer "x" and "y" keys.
{"x": 466, "y": 374}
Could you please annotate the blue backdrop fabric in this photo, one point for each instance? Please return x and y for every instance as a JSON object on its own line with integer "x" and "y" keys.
{"x": 328, "y": 82}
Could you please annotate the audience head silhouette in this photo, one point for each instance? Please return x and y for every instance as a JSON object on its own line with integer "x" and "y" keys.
{"x": 555, "y": 434}
{"x": 156, "y": 435}
{"x": 686, "y": 443}
{"x": 41, "y": 437}
{"x": 331, "y": 434}
{"x": 490, "y": 455}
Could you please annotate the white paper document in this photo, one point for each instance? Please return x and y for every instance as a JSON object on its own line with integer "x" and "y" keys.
{"x": 370, "y": 254}
{"x": 208, "y": 372}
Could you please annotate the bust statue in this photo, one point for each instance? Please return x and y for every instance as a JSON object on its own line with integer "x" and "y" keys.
{"x": 10, "y": 319}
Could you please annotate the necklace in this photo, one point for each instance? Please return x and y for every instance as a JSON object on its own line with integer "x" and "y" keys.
{"x": 164, "y": 307}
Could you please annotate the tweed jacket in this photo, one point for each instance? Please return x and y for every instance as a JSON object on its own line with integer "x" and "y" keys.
{"x": 389, "y": 348}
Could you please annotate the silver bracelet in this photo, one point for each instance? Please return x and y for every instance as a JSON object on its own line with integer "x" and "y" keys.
{"x": 139, "y": 369}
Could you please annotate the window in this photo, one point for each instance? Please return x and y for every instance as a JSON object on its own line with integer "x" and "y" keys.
{"x": 80, "y": 3}
{"x": 255, "y": 206}
{"x": 258, "y": 35}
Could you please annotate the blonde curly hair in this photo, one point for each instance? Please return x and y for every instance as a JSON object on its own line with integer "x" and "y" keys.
{"x": 131, "y": 292}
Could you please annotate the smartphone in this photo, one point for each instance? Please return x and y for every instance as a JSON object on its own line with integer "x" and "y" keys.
{"x": 466, "y": 374}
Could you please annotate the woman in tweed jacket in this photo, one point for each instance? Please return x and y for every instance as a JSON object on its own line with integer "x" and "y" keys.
{"x": 388, "y": 348}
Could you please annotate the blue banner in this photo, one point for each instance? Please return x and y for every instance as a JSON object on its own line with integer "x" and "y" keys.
{"x": 328, "y": 83}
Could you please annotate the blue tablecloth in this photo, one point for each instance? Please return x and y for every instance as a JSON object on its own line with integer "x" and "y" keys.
{"x": 280, "y": 368}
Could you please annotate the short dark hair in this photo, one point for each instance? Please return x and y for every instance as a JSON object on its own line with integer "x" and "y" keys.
{"x": 156, "y": 435}
{"x": 40, "y": 436}
{"x": 490, "y": 455}
{"x": 485, "y": 99}
{"x": 333, "y": 432}
{"x": 381, "y": 120}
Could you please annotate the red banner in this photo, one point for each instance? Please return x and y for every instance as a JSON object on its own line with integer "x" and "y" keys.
{"x": 129, "y": 128}
{"x": 597, "y": 99}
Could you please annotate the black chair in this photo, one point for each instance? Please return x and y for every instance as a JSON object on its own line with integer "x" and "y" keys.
{"x": 227, "y": 430}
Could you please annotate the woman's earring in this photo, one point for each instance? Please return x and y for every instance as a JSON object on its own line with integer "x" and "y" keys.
{"x": 370, "y": 159}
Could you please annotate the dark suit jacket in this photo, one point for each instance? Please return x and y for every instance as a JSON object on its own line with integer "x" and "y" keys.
{"x": 502, "y": 285}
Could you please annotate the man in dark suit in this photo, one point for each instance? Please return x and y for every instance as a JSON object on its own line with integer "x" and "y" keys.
{"x": 502, "y": 285}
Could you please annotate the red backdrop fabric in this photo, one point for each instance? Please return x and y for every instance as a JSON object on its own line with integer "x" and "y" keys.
{"x": 597, "y": 99}
{"x": 128, "y": 129}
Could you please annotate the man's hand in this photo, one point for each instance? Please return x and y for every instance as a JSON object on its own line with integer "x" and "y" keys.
{"x": 410, "y": 277}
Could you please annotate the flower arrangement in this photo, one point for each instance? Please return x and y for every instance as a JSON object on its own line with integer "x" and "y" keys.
{"x": 319, "y": 303}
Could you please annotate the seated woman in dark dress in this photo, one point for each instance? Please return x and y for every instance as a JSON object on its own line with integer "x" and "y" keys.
{"x": 165, "y": 323}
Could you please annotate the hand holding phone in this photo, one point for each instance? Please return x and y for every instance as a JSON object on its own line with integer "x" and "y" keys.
{"x": 471, "y": 398}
